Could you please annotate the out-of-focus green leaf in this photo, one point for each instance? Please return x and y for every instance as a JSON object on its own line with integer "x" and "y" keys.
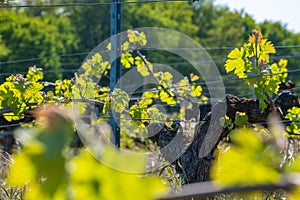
{"x": 47, "y": 174}
{"x": 246, "y": 162}
{"x": 109, "y": 183}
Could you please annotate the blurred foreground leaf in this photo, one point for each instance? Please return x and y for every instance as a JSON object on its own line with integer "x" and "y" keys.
{"x": 46, "y": 171}
{"x": 246, "y": 162}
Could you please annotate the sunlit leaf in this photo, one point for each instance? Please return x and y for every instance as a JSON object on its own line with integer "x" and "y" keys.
{"x": 245, "y": 162}
{"x": 119, "y": 101}
{"x": 34, "y": 74}
{"x": 142, "y": 67}
{"x": 127, "y": 60}
{"x": 236, "y": 63}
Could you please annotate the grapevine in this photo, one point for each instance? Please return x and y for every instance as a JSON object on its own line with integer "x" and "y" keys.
{"x": 23, "y": 93}
{"x": 252, "y": 62}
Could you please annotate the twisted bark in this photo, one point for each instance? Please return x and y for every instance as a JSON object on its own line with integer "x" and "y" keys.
{"x": 195, "y": 163}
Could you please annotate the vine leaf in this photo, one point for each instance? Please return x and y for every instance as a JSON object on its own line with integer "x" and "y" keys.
{"x": 166, "y": 98}
{"x": 294, "y": 128}
{"x": 236, "y": 62}
{"x": 252, "y": 62}
{"x": 95, "y": 66}
{"x": 43, "y": 158}
{"x": 141, "y": 66}
{"x": 34, "y": 74}
{"x": 246, "y": 161}
{"x": 119, "y": 100}
{"x": 127, "y": 60}
{"x": 196, "y": 91}
{"x": 64, "y": 88}
{"x": 241, "y": 119}
{"x": 18, "y": 91}
{"x": 266, "y": 48}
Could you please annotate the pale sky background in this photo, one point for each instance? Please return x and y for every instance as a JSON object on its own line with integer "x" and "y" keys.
{"x": 285, "y": 11}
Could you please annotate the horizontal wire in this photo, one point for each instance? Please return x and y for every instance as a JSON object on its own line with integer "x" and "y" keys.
{"x": 45, "y": 72}
{"x": 171, "y": 119}
{"x": 124, "y": 118}
{"x": 218, "y": 81}
{"x": 96, "y": 102}
{"x": 84, "y": 53}
{"x": 208, "y": 99}
{"x": 159, "y": 120}
{"x": 198, "y": 84}
{"x": 212, "y": 48}
{"x": 79, "y": 63}
{"x": 46, "y": 57}
{"x": 150, "y": 49}
{"x": 133, "y": 118}
{"x": 91, "y": 4}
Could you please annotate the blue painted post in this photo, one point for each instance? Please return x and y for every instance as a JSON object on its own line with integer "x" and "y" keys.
{"x": 115, "y": 28}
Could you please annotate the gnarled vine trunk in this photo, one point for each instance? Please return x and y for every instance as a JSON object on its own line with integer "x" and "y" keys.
{"x": 195, "y": 163}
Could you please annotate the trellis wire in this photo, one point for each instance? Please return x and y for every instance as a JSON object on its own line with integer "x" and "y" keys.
{"x": 91, "y": 4}
{"x": 150, "y": 49}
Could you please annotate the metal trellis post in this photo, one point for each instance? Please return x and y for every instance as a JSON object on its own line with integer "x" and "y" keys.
{"x": 115, "y": 28}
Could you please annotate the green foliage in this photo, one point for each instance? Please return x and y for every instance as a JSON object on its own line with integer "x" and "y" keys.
{"x": 34, "y": 74}
{"x": 3, "y": 49}
{"x": 281, "y": 36}
{"x": 135, "y": 41}
{"x": 168, "y": 91}
{"x": 136, "y": 38}
{"x": 237, "y": 62}
{"x": 227, "y": 29}
{"x": 50, "y": 173}
{"x": 241, "y": 119}
{"x": 257, "y": 156}
{"x": 94, "y": 180}
{"x": 138, "y": 114}
{"x": 160, "y": 15}
{"x": 96, "y": 66}
{"x": 247, "y": 161}
{"x": 84, "y": 88}
{"x": 226, "y": 122}
{"x": 143, "y": 68}
{"x": 292, "y": 169}
{"x": 119, "y": 100}
{"x": 25, "y": 36}
{"x": 148, "y": 97}
{"x": 167, "y": 97}
{"x": 41, "y": 37}
{"x": 293, "y": 130}
{"x": 252, "y": 63}
{"x": 127, "y": 60}
{"x": 63, "y": 89}
{"x": 141, "y": 115}
{"x": 19, "y": 92}
{"x": 44, "y": 159}
{"x": 91, "y": 24}
{"x": 218, "y": 26}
